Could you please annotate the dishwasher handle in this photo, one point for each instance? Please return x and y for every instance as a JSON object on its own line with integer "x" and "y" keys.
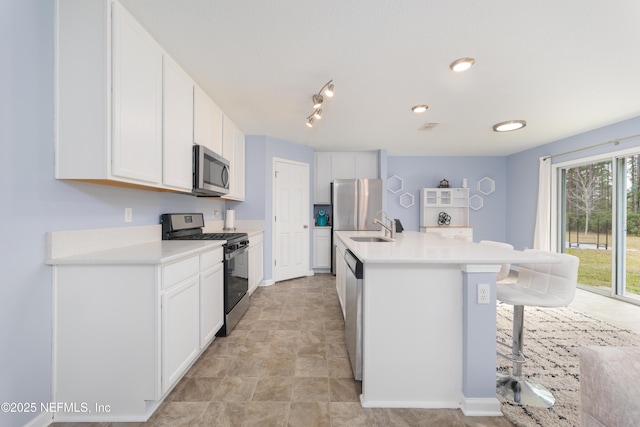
{"x": 355, "y": 265}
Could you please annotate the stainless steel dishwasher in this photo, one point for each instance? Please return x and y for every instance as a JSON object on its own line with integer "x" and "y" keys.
{"x": 353, "y": 315}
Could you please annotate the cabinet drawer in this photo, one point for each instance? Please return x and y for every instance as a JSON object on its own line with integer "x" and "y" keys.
{"x": 254, "y": 240}
{"x": 176, "y": 272}
{"x": 323, "y": 232}
{"x": 211, "y": 258}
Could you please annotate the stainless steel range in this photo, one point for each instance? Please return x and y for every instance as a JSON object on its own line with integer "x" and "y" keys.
{"x": 188, "y": 226}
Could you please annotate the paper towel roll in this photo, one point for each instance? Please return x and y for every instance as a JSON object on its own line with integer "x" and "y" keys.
{"x": 229, "y": 220}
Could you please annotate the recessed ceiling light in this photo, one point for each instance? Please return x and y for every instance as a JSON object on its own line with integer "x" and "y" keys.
{"x": 509, "y": 125}
{"x": 419, "y": 108}
{"x": 462, "y": 64}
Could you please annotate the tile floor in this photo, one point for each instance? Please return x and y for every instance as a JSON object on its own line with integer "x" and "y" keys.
{"x": 286, "y": 364}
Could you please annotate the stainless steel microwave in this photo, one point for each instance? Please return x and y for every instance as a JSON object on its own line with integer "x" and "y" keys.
{"x": 210, "y": 173}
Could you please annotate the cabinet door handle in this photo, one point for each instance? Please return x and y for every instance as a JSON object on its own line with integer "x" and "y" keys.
{"x": 305, "y": 226}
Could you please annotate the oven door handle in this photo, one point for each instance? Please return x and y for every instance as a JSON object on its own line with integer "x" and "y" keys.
{"x": 236, "y": 253}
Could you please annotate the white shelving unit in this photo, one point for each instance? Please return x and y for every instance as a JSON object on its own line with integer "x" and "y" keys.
{"x": 452, "y": 201}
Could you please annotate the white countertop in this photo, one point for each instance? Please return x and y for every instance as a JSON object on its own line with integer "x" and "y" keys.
{"x": 158, "y": 252}
{"x": 425, "y": 248}
{"x": 132, "y": 245}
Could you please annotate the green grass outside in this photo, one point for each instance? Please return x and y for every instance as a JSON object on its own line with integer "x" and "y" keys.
{"x": 595, "y": 264}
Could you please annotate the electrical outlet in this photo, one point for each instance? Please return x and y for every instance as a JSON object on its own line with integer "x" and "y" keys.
{"x": 128, "y": 214}
{"x": 483, "y": 294}
{"x": 216, "y": 214}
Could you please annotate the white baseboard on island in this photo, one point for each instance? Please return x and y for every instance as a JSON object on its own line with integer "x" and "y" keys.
{"x": 422, "y": 404}
{"x": 481, "y": 407}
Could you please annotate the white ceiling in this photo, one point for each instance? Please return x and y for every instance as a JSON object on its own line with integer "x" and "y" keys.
{"x": 565, "y": 66}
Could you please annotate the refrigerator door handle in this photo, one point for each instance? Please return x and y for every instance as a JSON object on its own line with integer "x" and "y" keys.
{"x": 358, "y": 204}
{"x": 362, "y": 197}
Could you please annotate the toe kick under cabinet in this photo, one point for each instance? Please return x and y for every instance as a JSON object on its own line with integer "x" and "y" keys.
{"x": 125, "y": 334}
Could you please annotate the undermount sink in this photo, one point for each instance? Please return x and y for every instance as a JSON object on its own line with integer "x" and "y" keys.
{"x": 370, "y": 239}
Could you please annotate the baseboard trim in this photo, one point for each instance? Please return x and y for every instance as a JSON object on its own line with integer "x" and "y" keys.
{"x": 268, "y": 282}
{"x": 481, "y": 407}
{"x": 425, "y": 404}
{"x": 43, "y": 420}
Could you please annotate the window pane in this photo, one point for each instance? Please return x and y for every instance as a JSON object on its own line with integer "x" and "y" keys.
{"x": 587, "y": 222}
{"x": 632, "y": 236}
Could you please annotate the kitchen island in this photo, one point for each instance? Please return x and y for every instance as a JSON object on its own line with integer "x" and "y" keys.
{"x": 426, "y": 342}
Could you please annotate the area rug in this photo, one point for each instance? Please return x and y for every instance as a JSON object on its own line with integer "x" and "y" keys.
{"x": 552, "y": 338}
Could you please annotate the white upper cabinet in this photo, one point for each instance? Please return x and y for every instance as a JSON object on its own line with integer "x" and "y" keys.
{"x": 233, "y": 150}
{"x": 239, "y": 174}
{"x": 322, "y": 194}
{"x": 108, "y": 77}
{"x": 330, "y": 166}
{"x": 367, "y": 165}
{"x": 126, "y": 113}
{"x": 207, "y": 121}
{"x": 137, "y": 101}
{"x": 178, "y": 126}
{"x": 343, "y": 166}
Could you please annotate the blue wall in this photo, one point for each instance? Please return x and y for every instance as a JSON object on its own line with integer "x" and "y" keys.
{"x": 522, "y": 173}
{"x": 420, "y": 172}
{"x": 33, "y": 203}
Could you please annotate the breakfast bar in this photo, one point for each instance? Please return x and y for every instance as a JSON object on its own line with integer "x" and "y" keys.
{"x": 427, "y": 341}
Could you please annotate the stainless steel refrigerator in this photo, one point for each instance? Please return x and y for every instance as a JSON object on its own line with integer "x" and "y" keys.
{"x": 355, "y": 203}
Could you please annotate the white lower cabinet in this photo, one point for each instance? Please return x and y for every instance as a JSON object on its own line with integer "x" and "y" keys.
{"x": 322, "y": 248}
{"x": 211, "y": 301}
{"x": 341, "y": 275}
{"x": 256, "y": 262}
{"x": 124, "y": 335}
{"x": 180, "y": 330}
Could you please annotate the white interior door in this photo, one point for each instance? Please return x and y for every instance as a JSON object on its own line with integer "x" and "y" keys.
{"x": 291, "y": 219}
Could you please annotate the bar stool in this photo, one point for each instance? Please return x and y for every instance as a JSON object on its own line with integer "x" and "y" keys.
{"x": 538, "y": 285}
{"x": 506, "y": 268}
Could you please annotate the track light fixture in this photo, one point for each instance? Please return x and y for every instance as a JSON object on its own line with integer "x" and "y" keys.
{"x": 328, "y": 89}
{"x": 317, "y": 100}
{"x": 310, "y": 120}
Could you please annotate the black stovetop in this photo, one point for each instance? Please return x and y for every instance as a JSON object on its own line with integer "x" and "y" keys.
{"x": 188, "y": 226}
{"x": 211, "y": 236}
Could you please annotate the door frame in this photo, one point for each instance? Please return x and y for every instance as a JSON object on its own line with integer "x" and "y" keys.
{"x": 618, "y": 251}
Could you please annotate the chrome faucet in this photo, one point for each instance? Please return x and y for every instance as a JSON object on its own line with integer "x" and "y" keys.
{"x": 389, "y": 230}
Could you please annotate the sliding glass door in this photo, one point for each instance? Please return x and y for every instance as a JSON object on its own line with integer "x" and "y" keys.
{"x": 587, "y": 221}
{"x": 629, "y": 166}
{"x": 599, "y": 222}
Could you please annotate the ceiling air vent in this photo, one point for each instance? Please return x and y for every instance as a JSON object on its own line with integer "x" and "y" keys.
{"x": 428, "y": 126}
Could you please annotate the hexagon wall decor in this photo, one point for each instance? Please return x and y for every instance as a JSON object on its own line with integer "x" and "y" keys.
{"x": 395, "y": 184}
{"x": 476, "y": 202}
{"x": 486, "y": 185}
{"x": 407, "y": 200}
